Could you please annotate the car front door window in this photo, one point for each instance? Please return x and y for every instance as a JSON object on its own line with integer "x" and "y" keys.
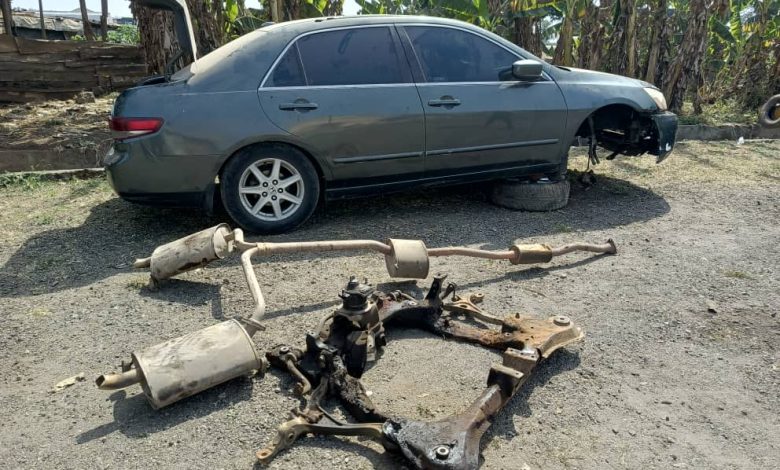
{"x": 451, "y": 55}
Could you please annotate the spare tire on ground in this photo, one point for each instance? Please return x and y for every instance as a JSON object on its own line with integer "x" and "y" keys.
{"x": 769, "y": 115}
{"x": 537, "y": 196}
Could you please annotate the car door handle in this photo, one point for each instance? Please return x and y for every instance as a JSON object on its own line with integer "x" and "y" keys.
{"x": 444, "y": 101}
{"x": 304, "y": 106}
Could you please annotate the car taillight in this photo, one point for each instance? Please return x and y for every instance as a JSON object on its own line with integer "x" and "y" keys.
{"x": 126, "y": 127}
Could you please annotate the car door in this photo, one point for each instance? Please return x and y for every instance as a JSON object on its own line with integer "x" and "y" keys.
{"x": 348, "y": 94}
{"x": 478, "y": 118}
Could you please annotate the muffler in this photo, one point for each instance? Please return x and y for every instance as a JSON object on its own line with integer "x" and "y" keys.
{"x": 188, "y": 253}
{"x": 189, "y": 364}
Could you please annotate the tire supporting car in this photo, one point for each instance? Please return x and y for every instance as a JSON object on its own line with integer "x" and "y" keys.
{"x": 269, "y": 188}
{"x": 534, "y": 196}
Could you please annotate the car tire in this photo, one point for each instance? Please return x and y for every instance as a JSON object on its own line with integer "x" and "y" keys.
{"x": 770, "y": 109}
{"x": 269, "y": 189}
{"x": 538, "y": 196}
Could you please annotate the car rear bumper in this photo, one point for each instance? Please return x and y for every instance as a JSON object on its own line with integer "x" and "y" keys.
{"x": 173, "y": 181}
{"x": 666, "y": 126}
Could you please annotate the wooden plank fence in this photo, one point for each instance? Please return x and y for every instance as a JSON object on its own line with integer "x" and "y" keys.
{"x": 33, "y": 69}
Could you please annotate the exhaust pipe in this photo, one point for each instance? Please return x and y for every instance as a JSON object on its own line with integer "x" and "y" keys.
{"x": 117, "y": 381}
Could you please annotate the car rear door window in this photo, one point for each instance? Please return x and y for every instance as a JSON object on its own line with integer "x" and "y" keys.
{"x": 288, "y": 71}
{"x": 453, "y": 55}
{"x": 355, "y": 56}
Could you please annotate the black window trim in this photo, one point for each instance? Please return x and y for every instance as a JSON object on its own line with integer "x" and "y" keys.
{"x": 294, "y": 42}
{"x": 405, "y": 37}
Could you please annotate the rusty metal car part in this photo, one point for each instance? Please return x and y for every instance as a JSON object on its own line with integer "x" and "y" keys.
{"x": 337, "y": 355}
{"x": 188, "y": 253}
{"x": 403, "y": 258}
{"x": 189, "y": 364}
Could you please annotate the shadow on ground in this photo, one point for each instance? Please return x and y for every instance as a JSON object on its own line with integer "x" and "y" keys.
{"x": 116, "y": 232}
{"x": 134, "y": 417}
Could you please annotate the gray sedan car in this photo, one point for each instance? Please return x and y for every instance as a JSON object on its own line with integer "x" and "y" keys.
{"x": 292, "y": 113}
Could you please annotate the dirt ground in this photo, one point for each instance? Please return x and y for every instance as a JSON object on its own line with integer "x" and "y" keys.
{"x": 57, "y": 125}
{"x": 679, "y": 368}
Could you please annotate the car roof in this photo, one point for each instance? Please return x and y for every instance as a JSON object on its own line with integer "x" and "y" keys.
{"x": 313, "y": 24}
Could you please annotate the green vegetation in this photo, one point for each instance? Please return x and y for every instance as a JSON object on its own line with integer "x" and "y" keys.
{"x": 25, "y": 181}
{"x": 124, "y": 34}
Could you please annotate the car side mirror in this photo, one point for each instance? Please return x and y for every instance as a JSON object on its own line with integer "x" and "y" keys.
{"x": 527, "y": 69}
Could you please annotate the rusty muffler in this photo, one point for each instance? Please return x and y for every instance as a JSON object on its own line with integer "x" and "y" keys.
{"x": 188, "y": 253}
{"x": 189, "y": 364}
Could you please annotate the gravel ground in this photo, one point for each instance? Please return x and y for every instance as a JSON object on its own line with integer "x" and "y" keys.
{"x": 679, "y": 367}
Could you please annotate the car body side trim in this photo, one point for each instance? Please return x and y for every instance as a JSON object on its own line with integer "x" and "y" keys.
{"x": 373, "y": 158}
{"x": 326, "y": 87}
{"x": 526, "y": 143}
{"x": 474, "y": 175}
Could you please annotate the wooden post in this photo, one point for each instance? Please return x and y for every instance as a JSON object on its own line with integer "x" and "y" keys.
{"x": 43, "y": 23}
{"x": 104, "y": 19}
{"x": 89, "y": 35}
{"x": 8, "y": 20}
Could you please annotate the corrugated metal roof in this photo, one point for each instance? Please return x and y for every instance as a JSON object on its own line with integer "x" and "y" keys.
{"x": 51, "y": 24}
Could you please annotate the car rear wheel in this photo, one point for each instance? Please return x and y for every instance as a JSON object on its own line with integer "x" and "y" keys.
{"x": 269, "y": 189}
{"x": 539, "y": 196}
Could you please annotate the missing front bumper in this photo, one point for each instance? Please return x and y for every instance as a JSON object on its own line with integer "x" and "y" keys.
{"x": 666, "y": 127}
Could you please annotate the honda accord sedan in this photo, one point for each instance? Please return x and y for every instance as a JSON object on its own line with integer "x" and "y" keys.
{"x": 293, "y": 113}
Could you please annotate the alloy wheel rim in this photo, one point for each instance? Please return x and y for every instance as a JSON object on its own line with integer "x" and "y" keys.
{"x": 271, "y": 189}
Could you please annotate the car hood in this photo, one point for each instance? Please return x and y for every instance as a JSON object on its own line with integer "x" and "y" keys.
{"x": 181, "y": 23}
{"x": 573, "y": 74}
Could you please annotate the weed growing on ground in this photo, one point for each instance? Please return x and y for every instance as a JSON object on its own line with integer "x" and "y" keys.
{"x": 25, "y": 181}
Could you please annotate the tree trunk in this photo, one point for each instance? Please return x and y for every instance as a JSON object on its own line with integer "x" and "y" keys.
{"x": 775, "y": 86}
{"x": 562, "y": 54}
{"x": 89, "y": 35}
{"x": 334, "y": 8}
{"x": 43, "y": 22}
{"x": 104, "y": 19}
{"x": 158, "y": 41}
{"x": 594, "y": 34}
{"x": 8, "y": 20}
{"x": 754, "y": 78}
{"x": 622, "y": 47}
{"x": 686, "y": 68}
{"x": 659, "y": 39}
{"x": 526, "y": 34}
{"x": 209, "y": 32}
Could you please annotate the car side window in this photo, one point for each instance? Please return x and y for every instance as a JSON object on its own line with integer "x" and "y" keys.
{"x": 453, "y": 55}
{"x": 355, "y": 56}
{"x": 289, "y": 71}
